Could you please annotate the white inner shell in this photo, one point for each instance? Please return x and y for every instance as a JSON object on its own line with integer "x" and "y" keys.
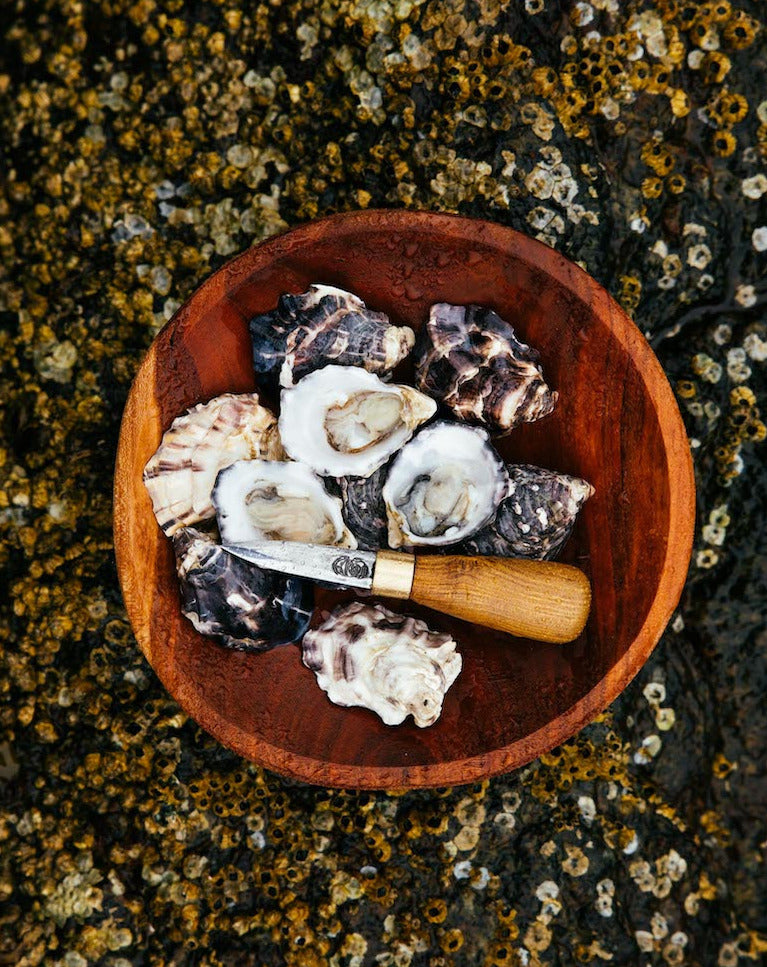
{"x": 260, "y": 500}
{"x": 345, "y": 421}
{"x": 443, "y": 486}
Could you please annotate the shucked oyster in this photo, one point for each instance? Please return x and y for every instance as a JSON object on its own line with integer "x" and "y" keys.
{"x": 181, "y": 473}
{"x": 341, "y": 420}
{"x": 535, "y": 518}
{"x": 263, "y": 500}
{"x": 471, "y": 360}
{"x": 443, "y": 486}
{"x": 246, "y": 608}
{"x": 325, "y": 325}
{"x": 392, "y": 664}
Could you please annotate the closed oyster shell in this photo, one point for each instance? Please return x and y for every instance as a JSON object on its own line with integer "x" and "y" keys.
{"x": 344, "y": 421}
{"x": 364, "y": 508}
{"x": 181, "y": 473}
{"x": 321, "y": 326}
{"x": 443, "y": 486}
{"x": 471, "y": 360}
{"x": 246, "y": 608}
{"x": 535, "y": 518}
{"x": 365, "y": 655}
{"x": 262, "y": 500}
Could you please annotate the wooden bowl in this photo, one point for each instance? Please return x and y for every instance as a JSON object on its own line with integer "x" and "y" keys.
{"x": 616, "y": 425}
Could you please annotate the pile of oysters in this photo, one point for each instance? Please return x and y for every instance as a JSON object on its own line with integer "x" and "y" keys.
{"x": 355, "y": 460}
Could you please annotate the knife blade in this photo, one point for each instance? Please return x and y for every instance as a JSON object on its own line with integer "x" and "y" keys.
{"x": 533, "y": 599}
{"x": 318, "y": 562}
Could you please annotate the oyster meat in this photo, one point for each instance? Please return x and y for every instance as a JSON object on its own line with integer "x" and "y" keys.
{"x": 325, "y": 325}
{"x": 246, "y": 608}
{"x": 181, "y": 473}
{"x": 443, "y": 486}
{"x": 535, "y": 518}
{"x": 471, "y": 360}
{"x": 394, "y": 665}
{"x": 259, "y": 500}
{"x": 343, "y": 421}
{"x": 364, "y": 508}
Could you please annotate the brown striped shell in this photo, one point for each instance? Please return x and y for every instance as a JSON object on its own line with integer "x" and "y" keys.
{"x": 181, "y": 473}
{"x": 322, "y": 326}
{"x": 471, "y": 360}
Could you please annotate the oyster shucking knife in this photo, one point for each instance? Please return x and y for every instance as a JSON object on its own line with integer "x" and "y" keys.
{"x": 533, "y": 599}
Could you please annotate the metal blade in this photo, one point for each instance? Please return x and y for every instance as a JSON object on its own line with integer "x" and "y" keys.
{"x": 318, "y": 562}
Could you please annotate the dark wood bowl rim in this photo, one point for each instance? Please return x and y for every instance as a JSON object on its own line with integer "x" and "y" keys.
{"x": 671, "y": 583}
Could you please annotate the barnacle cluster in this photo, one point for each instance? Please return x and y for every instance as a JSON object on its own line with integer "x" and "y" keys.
{"x": 143, "y": 144}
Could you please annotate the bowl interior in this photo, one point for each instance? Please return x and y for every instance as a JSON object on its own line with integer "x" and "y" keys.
{"x": 616, "y": 425}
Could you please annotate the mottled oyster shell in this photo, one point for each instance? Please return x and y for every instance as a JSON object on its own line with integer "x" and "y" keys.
{"x": 535, "y": 518}
{"x": 181, "y": 473}
{"x": 364, "y": 508}
{"x": 246, "y": 608}
{"x": 262, "y": 500}
{"x": 368, "y": 656}
{"x": 471, "y": 360}
{"x": 344, "y": 421}
{"x": 325, "y": 325}
{"x": 443, "y": 486}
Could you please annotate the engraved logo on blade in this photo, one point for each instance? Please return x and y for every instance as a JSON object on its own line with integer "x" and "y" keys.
{"x": 351, "y": 567}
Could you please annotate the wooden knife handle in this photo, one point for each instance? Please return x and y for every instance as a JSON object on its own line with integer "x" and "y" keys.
{"x": 532, "y": 599}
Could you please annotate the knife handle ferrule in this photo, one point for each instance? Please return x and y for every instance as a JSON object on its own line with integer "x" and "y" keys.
{"x": 393, "y": 574}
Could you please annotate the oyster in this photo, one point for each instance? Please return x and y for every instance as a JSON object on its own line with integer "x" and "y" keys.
{"x": 443, "y": 486}
{"x": 181, "y": 473}
{"x": 471, "y": 360}
{"x": 263, "y": 500}
{"x": 389, "y": 663}
{"x": 325, "y": 325}
{"x": 345, "y": 421}
{"x": 364, "y": 508}
{"x": 535, "y": 518}
{"x": 246, "y": 608}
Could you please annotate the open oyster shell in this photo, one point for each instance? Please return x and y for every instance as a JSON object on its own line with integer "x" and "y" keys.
{"x": 325, "y": 325}
{"x": 443, "y": 486}
{"x": 259, "y": 500}
{"x": 246, "y": 608}
{"x": 181, "y": 473}
{"x": 342, "y": 421}
{"x": 535, "y": 518}
{"x": 393, "y": 665}
{"x": 471, "y": 360}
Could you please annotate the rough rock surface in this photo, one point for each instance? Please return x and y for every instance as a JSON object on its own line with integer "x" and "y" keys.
{"x": 143, "y": 144}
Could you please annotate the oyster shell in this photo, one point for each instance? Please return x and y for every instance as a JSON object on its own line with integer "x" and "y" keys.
{"x": 265, "y": 500}
{"x": 471, "y": 360}
{"x": 535, "y": 518}
{"x": 245, "y": 607}
{"x": 393, "y": 665}
{"x": 443, "y": 486}
{"x": 344, "y": 421}
{"x": 364, "y": 508}
{"x": 325, "y": 325}
{"x": 181, "y": 473}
